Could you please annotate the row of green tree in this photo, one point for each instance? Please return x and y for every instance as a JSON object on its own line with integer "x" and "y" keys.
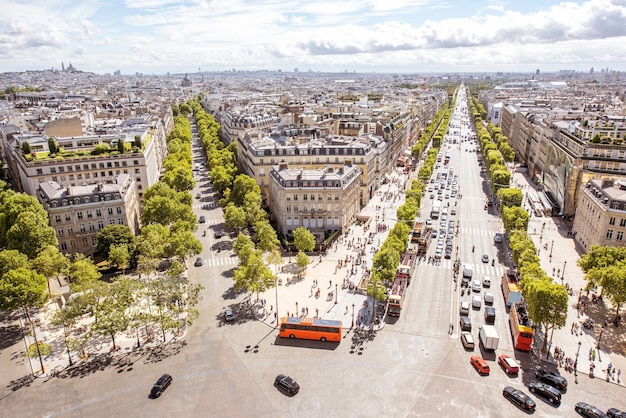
{"x": 387, "y": 259}
{"x": 546, "y": 299}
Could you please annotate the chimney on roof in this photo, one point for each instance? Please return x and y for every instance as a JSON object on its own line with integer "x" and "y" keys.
{"x": 283, "y": 166}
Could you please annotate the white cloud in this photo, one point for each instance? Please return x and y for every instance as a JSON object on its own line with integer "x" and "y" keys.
{"x": 169, "y": 35}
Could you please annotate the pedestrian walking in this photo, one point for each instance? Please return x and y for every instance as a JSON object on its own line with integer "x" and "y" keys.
{"x": 346, "y": 310}
{"x": 619, "y": 375}
{"x": 593, "y": 355}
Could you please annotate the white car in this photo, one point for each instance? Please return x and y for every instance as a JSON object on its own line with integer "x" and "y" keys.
{"x": 486, "y": 281}
{"x": 438, "y": 253}
{"x": 476, "y": 302}
{"x": 489, "y": 298}
{"x": 476, "y": 286}
{"x": 465, "y": 308}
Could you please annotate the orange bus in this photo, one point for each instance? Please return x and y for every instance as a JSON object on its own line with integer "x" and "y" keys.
{"x": 521, "y": 327}
{"x": 310, "y": 329}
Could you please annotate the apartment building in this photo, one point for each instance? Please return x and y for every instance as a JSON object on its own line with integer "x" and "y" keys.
{"x": 322, "y": 200}
{"x": 77, "y": 165}
{"x": 78, "y": 213}
{"x": 601, "y": 215}
{"x": 302, "y": 149}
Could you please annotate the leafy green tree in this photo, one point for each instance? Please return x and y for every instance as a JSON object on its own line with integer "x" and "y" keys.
{"x": 53, "y": 147}
{"x": 83, "y": 270}
{"x": 183, "y": 244}
{"x": 120, "y": 256}
{"x": 252, "y": 208}
{"x": 30, "y": 234}
{"x": 51, "y": 263}
{"x": 221, "y": 178}
{"x": 547, "y": 305}
{"x": 510, "y": 196}
{"x": 167, "y": 212}
{"x": 302, "y": 260}
{"x": 12, "y": 260}
{"x": 180, "y": 178}
{"x": 235, "y": 217}
{"x": 113, "y": 312}
{"x": 253, "y": 276}
{"x": 242, "y": 186}
{"x": 515, "y": 218}
{"x": 500, "y": 179}
{"x": 67, "y": 317}
{"x": 604, "y": 266}
{"x": 26, "y": 149}
{"x": 243, "y": 247}
{"x": 152, "y": 241}
{"x": 26, "y": 289}
{"x": 120, "y": 145}
{"x": 407, "y": 212}
{"x": 275, "y": 257}
{"x": 146, "y": 265}
{"x": 385, "y": 264}
{"x": 137, "y": 142}
{"x": 400, "y": 231}
{"x": 268, "y": 240}
{"x": 114, "y": 235}
{"x": 303, "y": 239}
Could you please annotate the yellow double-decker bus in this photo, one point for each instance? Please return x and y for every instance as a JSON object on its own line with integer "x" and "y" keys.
{"x": 310, "y": 329}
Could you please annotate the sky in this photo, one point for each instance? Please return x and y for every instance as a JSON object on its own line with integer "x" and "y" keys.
{"x": 400, "y": 36}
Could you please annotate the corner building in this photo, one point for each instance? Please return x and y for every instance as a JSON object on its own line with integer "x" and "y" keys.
{"x": 321, "y": 200}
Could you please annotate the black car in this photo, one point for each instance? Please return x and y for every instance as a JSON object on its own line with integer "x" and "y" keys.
{"x": 589, "y": 411}
{"x": 160, "y": 386}
{"x": 552, "y": 378}
{"x": 519, "y": 399}
{"x": 198, "y": 262}
{"x": 202, "y": 219}
{"x": 286, "y": 384}
{"x": 616, "y": 413}
{"x": 218, "y": 234}
{"x": 547, "y": 392}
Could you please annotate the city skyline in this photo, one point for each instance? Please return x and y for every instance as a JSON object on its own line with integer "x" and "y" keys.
{"x": 406, "y": 36}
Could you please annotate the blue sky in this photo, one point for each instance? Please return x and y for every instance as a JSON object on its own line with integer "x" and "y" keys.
{"x": 159, "y": 36}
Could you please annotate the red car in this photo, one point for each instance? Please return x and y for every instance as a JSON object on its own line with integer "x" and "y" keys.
{"x": 480, "y": 365}
{"x": 508, "y": 364}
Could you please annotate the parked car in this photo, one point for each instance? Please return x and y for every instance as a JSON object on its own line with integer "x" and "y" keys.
{"x": 229, "y": 316}
{"x": 218, "y": 234}
{"x": 485, "y": 258}
{"x": 198, "y": 262}
{"x": 480, "y": 365}
{"x": 489, "y": 298}
{"x": 286, "y": 384}
{"x": 160, "y": 386}
{"x": 464, "y": 308}
{"x": 476, "y": 286}
{"x": 497, "y": 238}
{"x": 519, "y": 399}
{"x": 547, "y": 392}
{"x": 509, "y": 365}
{"x": 552, "y": 378}
{"x": 465, "y": 323}
{"x": 202, "y": 219}
{"x": 486, "y": 281}
{"x": 476, "y": 302}
{"x": 589, "y": 411}
{"x": 615, "y": 413}
{"x": 467, "y": 340}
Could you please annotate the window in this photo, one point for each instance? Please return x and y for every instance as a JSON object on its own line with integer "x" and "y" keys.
{"x": 68, "y": 217}
{"x": 98, "y": 212}
{"x": 136, "y": 162}
{"x": 82, "y": 228}
{"x": 110, "y": 211}
{"x": 288, "y": 208}
{"x": 79, "y": 215}
{"x": 620, "y": 235}
{"x": 89, "y": 214}
{"x": 118, "y": 210}
{"x": 57, "y": 218}
{"x": 84, "y": 240}
{"x": 622, "y": 222}
{"x": 70, "y": 231}
{"x": 609, "y": 234}
{"x": 612, "y": 220}
{"x": 94, "y": 241}
{"x": 92, "y": 227}
{"x": 60, "y": 232}
{"x": 295, "y": 197}
{"x": 305, "y": 197}
{"x": 63, "y": 246}
{"x": 111, "y": 221}
{"x": 120, "y": 221}
{"x": 100, "y": 224}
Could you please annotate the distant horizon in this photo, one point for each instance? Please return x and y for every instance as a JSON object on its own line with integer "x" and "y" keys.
{"x": 363, "y": 36}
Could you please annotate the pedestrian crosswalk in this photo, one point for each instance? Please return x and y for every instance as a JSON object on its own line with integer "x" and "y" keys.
{"x": 221, "y": 261}
{"x": 208, "y": 205}
{"x": 480, "y": 269}
{"x": 476, "y": 231}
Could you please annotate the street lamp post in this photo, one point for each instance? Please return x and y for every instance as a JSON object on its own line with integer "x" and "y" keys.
{"x": 297, "y": 309}
{"x": 335, "y": 293}
{"x": 576, "y": 362}
{"x": 580, "y": 292}
{"x": 600, "y": 337}
{"x": 352, "y": 326}
{"x": 551, "y": 247}
{"x": 276, "y": 287}
{"x": 563, "y": 271}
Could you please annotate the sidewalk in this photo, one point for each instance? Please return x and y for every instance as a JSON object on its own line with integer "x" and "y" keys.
{"x": 561, "y": 265}
{"x": 355, "y": 250}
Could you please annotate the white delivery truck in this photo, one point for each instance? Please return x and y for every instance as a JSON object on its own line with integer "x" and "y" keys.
{"x": 489, "y": 337}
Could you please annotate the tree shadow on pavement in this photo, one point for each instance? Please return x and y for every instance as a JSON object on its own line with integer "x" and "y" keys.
{"x": 96, "y": 362}
{"x": 164, "y": 351}
{"x": 613, "y": 338}
{"x": 359, "y": 340}
{"x": 20, "y": 383}
{"x": 9, "y": 336}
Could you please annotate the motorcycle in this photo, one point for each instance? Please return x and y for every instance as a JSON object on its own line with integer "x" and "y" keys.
{"x": 493, "y": 263}
{"x": 473, "y": 249}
